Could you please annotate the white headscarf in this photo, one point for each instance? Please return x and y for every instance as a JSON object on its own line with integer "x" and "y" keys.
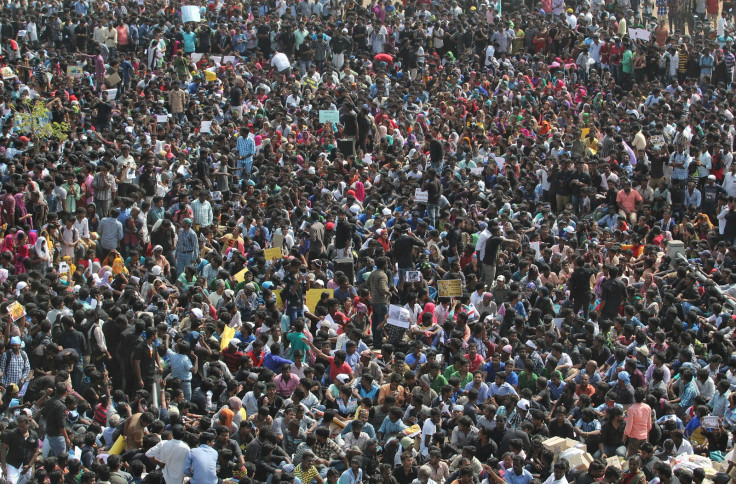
{"x": 42, "y": 250}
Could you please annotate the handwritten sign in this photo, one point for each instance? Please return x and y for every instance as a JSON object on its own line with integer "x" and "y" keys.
{"x": 190, "y": 13}
{"x": 314, "y": 295}
{"x": 329, "y": 116}
{"x": 16, "y": 310}
{"x": 450, "y": 288}
{"x": 420, "y": 196}
{"x": 273, "y": 253}
{"x": 111, "y": 94}
{"x": 398, "y": 316}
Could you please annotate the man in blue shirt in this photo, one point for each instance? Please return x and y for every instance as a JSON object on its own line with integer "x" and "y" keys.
{"x": 201, "y": 464}
{"x": 273, "y": 361}
{"x": 517, "y": 474}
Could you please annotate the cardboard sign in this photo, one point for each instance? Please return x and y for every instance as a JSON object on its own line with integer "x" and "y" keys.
{"x": 205, "y": 127}
{"x": 74, "y": 71}
{"x": 113, "y": 79}
{"x": 273, "y": 253}
{"x": 190, "y": 13}
{"x": 329, "y": 116}
{"x": 229, "y": 58}
{"x": 450, "y": 288}
{"x": 162, "y": 118}
{"x": 210, "y": 76}
{"x": 277, "y": 240}
{"x": 398, "y": 316}
{"x": 420, "y": 196}
{"x": 313, "y": 296}
{"x": 195, "y": 57}
{"x": 240, "y": 276}
{"x": 16, "y": 310}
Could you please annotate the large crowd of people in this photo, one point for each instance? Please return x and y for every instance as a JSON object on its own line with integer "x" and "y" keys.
{"x": 323, "y": 241}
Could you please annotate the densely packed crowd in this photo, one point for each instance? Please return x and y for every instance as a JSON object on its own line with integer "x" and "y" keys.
{"x": 282, "y": 241}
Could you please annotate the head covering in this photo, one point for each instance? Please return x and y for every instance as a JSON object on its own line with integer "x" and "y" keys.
{"x": 624, "y": 377}
{"x": 226, "y": 416}
{"x": 235, "y": 404}
{"x": 523, "y": 404}
{"x": 342, "y": 378}
{"x": 15, "y": 340}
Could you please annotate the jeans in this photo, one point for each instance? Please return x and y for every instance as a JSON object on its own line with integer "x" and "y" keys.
{"x": 294, "y": 312}
{"x": 53, "y": 446}
{"x": 182, "y": 261}
{"x": 611, "y": 451}
{"x": 379, "y": 313}
{"x": 433, "y": 211}
{"x": 186, "y": 387}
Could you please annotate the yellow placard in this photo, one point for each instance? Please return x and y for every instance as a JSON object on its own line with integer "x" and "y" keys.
{"x": 210, "y": 76}
{"x": 16, "y": 310}
{"x": 313, "y": 296}
{"x": 118, "y": 447}
{"x": 584, "y": 133}
{"x": 227, "y": 334}
{"x": 273, "y": 253}
{"x": 240, "y": 276}
{"x": 279, "y": 302}
{"x": 450, "y": 288}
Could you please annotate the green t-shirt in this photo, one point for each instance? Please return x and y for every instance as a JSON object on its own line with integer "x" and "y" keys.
{"x": 627, "y": 62}
{"x": 297, "y": 343}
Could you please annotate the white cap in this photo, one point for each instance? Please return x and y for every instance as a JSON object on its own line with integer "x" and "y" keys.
{"x": 197, "y": 313}
{"x": 311, "y": 170}
{"x": 156, "y": 270}
{"x": 343, "y": 378}
{"x": 386, "y": 212}
{"x": 523, "y": 404}
{"x": 711, "y": 177}
{"x": 355, "y": 209}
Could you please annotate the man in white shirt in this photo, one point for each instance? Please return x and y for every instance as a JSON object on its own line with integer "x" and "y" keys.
{"x": 281, "y": 63}
{"x": 171, "y": 454}
{"x": 729, "y": 181}
{"x": 429, "y": 428}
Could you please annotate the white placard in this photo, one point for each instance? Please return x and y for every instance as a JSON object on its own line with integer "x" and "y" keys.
{"x": 196, "y": 57}
{"x": 111, "y": 94}
{"x": 413, "y": 276}
{"x": 535, "y": 246}
{"x": 205, "y": 127}
{"x": 229, "y": 58}
{"x": 558, "y": 322}
{"x": 190, "y": 13}
{"x": 642, "y": 34}
{"x": 500, "y": 161}
{"x": 710, "y": 422}
{"x": 657, "y": 141}
{"x": 22, "y": 33}
{"x": 398, "y": 316}
{"x": 420, "y": 196}
{"x": 217, "y": 59}
{"x": 162, "y": 118}
{"x": 478, "y": 170}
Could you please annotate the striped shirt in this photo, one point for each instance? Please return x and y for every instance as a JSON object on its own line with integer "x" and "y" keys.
{"x": 202, "y": 213}
{"x": 16, "y": 369}
{"x": 246, "y": 147}
{"x": 188, "y": 243}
